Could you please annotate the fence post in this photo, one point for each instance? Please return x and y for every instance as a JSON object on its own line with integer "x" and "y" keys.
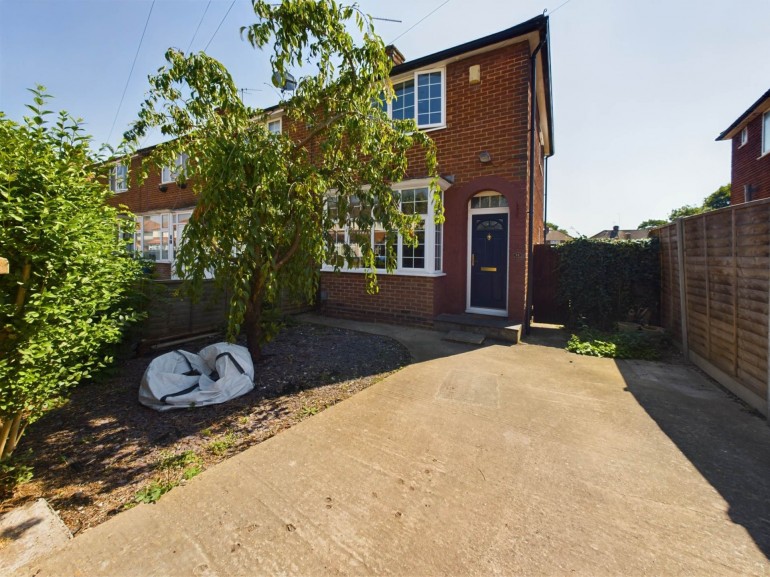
{"x": 767, "y": 334}
{"x": 682, "y": 286}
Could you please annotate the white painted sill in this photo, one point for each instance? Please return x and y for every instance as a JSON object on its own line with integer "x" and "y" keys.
{"x": 401, "y": 272}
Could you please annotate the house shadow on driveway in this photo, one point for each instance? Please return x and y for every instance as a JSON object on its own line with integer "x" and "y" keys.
{"x": 728, "y": 443}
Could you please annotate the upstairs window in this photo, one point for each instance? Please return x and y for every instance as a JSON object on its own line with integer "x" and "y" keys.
{"x": 427, "y": 106}
{"x": 402, "y": 106}
{"x": 744, "y": 136}
{"x": 766, "y": 132}
{"x": 274, "y": 126}
{"x": 170, "y": 174}
{"x": 119, "y": 178}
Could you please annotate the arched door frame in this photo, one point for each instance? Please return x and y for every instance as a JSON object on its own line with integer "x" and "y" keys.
{"x": 469, "y": 242}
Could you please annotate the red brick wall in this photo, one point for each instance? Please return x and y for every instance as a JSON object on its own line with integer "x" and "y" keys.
{"x": 748, "y": 167}
{"x": 147, "y": 197}
{"x": 491, "y": 116}
{"x": 408, "y": 300}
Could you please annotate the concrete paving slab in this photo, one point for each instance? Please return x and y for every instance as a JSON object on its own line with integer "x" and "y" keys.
{"x": 27, "y": 533}
{"x": 521, "y": 460}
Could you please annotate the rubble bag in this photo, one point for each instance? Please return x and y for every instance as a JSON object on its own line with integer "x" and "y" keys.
{"x": 180, "y": 380}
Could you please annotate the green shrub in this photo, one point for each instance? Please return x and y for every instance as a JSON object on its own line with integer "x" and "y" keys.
{"x": 71, "y": 283}
{"x": 617, "y": 345}
{"x": 601, "y": 281}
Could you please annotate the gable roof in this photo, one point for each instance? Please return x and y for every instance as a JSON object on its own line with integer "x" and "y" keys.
{"x": 624, "y": 234}
{"x": 536, "y": 28}
{"x": 761, "y": 105}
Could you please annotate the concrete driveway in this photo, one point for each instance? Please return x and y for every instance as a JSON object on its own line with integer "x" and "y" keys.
{"x": 506, "y": 460}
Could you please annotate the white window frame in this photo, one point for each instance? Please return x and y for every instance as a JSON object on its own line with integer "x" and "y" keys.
{"x": 744, "y": 137}
{"x": 415, "y": 78}
{"x": 167, "y": 176}
{"x": 118, "y": 184}
{"x": 429, "y": 268}
{"x": 279, "y": 120}
{"x": 171, "y": 231}
{"x": 765, "y": 133}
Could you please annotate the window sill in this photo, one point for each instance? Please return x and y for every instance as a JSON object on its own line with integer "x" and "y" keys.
{"x": 400, "y": 272}
{"x": 761, "y": 156}
{"x": 432, "y": 128}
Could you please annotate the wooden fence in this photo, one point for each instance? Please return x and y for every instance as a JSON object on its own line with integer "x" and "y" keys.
{"x": 171, "y": 315}
{"x": 546, "y": 306}
{"x": 715, "y": 280}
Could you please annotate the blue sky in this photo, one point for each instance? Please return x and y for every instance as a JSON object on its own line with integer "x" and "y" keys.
{"x": 641, "y": 88}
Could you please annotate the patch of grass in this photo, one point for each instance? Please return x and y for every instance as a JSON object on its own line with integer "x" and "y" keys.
{"x": 169, "y": 465}
{"x": 207, "y": 432}
{"x": 308, "y": 411}
{"x": 192, "y": 471}
{"x": 14, "y": 472}
{"x": 169, "y": 461}
{"x": 617, "y": 345}
{"x": 153, "y": 492}
{"x": 223, "y": 444}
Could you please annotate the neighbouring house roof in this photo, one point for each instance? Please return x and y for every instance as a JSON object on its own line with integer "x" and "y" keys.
{"x": 557, "y": 236}
{"x": 760, "y": 106}
{"x": 622, "y": 234}
{"x": 537, "y": 30}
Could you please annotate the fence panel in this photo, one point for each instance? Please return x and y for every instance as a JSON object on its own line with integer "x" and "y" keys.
{"x": 545, "y": 278}
{"x": 715, "y": 271}
{"x": 172, "y": 315}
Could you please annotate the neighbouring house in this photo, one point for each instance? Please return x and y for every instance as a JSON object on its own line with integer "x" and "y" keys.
{"x": 750, "y": 136}
{"x": 478, "y": 101}
{"x": 556, "y": 237}
{"x": 617, "y": 234}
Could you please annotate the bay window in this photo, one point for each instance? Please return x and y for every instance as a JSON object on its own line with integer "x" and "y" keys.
{"x": 423, "y": 258}
{"x": 159, "y": 236}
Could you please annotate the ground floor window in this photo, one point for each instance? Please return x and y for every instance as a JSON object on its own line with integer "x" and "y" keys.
{"x": 159, "y": 235}
{"x": 417, "y": 259}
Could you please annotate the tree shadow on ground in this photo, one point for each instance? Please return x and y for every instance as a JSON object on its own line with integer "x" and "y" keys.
{"x": 102, "y": 440}
{"x": 547, "y": 335}
{"x": 727, "y": 442}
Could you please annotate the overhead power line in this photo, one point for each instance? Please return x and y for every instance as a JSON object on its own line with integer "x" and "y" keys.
{"x": 559, "y": 6}
{"x": 220, "y": 25}
{"x": 130, "y": 72}
{"x": 199, "y": 26}
{"x": 413, "y": 26}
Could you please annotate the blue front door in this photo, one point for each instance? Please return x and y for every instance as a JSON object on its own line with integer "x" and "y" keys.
{"x": 489, "y": 261}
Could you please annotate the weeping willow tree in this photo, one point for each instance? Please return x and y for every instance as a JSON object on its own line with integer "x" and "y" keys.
{"x": 261, "y": 221}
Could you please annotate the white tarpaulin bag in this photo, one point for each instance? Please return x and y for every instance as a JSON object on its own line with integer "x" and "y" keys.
{"x": 180, "y": 380}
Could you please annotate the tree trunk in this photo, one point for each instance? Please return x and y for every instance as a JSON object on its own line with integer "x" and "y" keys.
{"x": 252, "y": 323}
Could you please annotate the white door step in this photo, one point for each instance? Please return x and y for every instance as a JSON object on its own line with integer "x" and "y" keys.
{"x": 464, "y": 337}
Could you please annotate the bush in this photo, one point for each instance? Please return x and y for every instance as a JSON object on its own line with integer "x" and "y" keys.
{"x": 601, "y": 281}
{"x": 635, "y": 345}
{"x": 70, "y": 286}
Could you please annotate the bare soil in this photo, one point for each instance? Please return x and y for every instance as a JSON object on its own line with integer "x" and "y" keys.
{"x": 94, "y": 455}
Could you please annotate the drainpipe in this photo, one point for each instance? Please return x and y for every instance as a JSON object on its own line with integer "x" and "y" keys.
{"x": 545, "y": 195}
{"x": 532, "y": 167}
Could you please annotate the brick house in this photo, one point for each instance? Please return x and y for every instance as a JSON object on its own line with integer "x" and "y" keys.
{"x": 750, "y": 135}
{"x": 477, "y": 103}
